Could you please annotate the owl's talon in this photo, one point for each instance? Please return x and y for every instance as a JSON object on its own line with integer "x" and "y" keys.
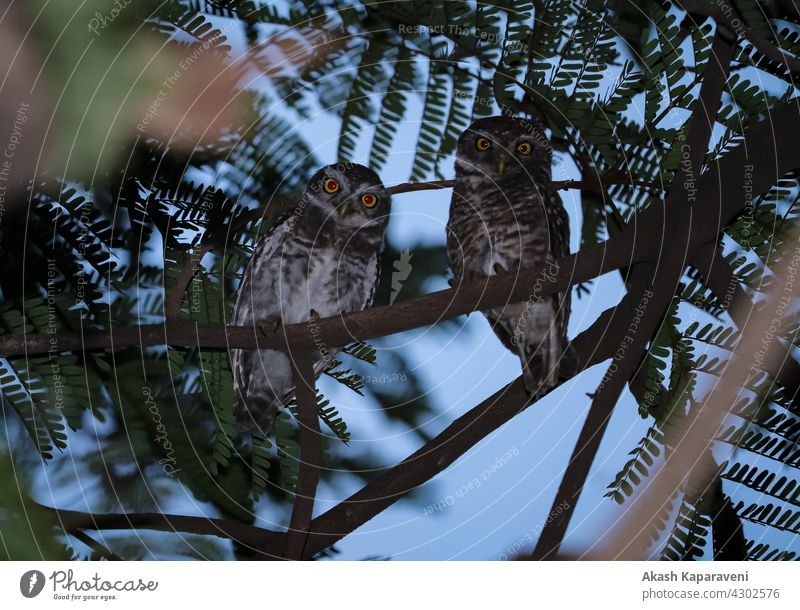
{"x": 269, "y": 326}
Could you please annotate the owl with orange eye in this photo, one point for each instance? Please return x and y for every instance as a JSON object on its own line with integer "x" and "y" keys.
{"x": 503, "y": 217}
{"x": 320, "y": 260}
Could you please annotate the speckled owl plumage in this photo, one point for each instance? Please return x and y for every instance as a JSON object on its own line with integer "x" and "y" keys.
{"x": 503, "y": 217}
{"x": 323, "y": 258}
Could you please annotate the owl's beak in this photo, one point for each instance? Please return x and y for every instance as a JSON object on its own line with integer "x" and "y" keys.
{"x": 501, "y": 167}
{"x": 344, "y": 208}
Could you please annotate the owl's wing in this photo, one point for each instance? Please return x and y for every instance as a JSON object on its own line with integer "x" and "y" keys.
{"x": 265, "y": 250}
{"x": 246, "y": 311}
{"x": 558, "y": 222}
{"x": 377, "y": 268}
{"x": 454, "y": 253}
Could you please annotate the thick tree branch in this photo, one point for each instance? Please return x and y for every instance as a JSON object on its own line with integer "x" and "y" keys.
{"x": 631, "y": 346}
{"x": 652, "y": 289}
{"x": 418, "y": 468}
{"x": 248, "y": 535}
{"x": 496, "y": 291}
{"x": 310, "y": 455}
{"x": 425, "y": 463}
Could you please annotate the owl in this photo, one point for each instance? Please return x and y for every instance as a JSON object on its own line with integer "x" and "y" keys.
{"x": 320, "y": 260}
{"x": 503, "y": 217}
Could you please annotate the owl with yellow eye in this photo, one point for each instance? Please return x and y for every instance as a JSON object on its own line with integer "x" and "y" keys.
{"x": 503, "y": 217}
{"x": 320, "y": 260}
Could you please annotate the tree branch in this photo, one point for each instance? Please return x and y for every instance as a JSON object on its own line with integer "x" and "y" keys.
{"x": 310, "y": 455}
{"x": 496, "y": 291}
{"x": 631, "y": 344}
{"x": 174, "y": 298}
{"x": 418, "y": 468}
{"x": 102, "y": 549}
{"x": 652, "y": 289}
{"x": 247, "y": 535}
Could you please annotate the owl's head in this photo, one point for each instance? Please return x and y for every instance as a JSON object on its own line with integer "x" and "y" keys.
{"x": 348, "y": 194}
{"x": 501, "y": 147}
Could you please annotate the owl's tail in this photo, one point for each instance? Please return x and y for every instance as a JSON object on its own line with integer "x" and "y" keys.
{"x": 256, "y": 414}
{"x": 544, "y": 361}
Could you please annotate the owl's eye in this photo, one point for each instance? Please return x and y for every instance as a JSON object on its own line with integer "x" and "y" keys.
{"x": 524, "y": 148}
{"x": 330, "y": 185}
{"x": 483, "y": 144}
{"x": 369, "y": 200}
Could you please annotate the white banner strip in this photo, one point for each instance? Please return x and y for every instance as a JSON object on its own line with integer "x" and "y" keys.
{"x": 387, "y": 584}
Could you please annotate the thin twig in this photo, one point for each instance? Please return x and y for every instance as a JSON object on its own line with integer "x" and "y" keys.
{"x": 101, "y": 549}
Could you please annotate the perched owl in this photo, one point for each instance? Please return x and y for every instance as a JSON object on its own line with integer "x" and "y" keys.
{"x": 502, "y": 217}
{"x": 320, "y": 260}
